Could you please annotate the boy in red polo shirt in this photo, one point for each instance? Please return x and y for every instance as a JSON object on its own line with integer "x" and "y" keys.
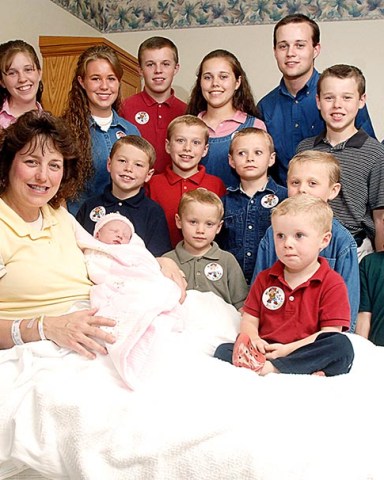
{"x": 156, "y": 106}
{"x": 296, "y": 309}
{"x": 187, "y": 144}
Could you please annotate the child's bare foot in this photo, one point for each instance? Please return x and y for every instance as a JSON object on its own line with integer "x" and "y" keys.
{"x": 319, "y": 373}
{"x": 268, "y": 368}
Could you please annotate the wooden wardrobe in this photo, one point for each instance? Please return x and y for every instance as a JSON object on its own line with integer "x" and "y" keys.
{"x": 60, "y": 55}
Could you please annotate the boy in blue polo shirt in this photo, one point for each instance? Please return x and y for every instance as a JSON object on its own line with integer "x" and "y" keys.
{"x": 247, "y": 208}
{"x": 130, "y": 165}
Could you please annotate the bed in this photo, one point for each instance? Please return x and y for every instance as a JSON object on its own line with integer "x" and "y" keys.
{"x": 192, "y": 416}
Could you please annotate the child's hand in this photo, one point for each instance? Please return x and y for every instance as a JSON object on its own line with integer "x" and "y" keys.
{"x": 260, "y": 344}
{"x": 276, "y": 350}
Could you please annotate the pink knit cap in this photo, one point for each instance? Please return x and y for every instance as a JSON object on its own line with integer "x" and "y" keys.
{"x": 108, "y": 218}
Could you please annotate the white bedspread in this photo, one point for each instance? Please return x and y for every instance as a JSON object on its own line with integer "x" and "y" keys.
{"x": 194, "y": 417}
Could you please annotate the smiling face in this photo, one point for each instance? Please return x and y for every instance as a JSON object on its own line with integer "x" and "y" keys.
{"x": 294, "y": 51}
{"x": 129, "y": 169}
{"x": 200, "y": 223}
{"x": 339, "y": 103}
{"x": 158, "y": 67}
{"x": 298, "y": 242}
{"x": 101, "y": 86}
{"x": 186, "y": 146}
{"x": 21, "y": 80}
{"x": 313, "y": 178}
{"x": 34, "y": 178}
{"x": 115, "y": 232}
{"x": 251, "y": 156}
{"x": 218, "y": 82}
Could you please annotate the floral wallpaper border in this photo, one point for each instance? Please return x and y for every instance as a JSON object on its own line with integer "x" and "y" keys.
{"x": 112, "y": 16}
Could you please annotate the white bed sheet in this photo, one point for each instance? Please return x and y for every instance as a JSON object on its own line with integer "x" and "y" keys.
{"x": 193, "y": 417}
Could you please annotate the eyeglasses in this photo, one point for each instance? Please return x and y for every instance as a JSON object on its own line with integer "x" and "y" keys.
{"x": 13, "y": 73}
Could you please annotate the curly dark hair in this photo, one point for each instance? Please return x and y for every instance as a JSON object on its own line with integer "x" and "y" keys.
{"x": 77, "y": 113}
{"x": 8, "y": 50}
{"x": 40, "y": 129}
{"x": 242, "y": 99}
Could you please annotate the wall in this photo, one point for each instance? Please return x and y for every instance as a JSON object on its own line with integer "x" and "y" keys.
{"x": 27, "y": 19}
{"x": 354, "y": 42}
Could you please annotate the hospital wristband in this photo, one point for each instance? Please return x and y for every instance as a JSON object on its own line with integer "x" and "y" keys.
{"x": 40, "y": 327}
{"x": 15, "y": 332}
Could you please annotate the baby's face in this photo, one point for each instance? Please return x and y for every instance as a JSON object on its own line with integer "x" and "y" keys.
{"x": 114, "y": 232}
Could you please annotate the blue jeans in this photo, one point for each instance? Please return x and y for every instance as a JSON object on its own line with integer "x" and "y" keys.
{"x": 331, "y": 353}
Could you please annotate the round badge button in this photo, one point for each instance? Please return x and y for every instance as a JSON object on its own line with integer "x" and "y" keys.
{"x": 142, "y": 118}
{"x": 273, "y": 298}
{"x": 97, "y": 213}
{"x": 213, "y": 271}
{"x": 270, "y": 200}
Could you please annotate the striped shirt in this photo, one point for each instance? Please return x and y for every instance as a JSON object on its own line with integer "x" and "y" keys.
{"x": 361, "y": 160}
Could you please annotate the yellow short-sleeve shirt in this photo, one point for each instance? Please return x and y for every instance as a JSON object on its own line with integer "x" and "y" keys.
{"x": 41, "y": 271}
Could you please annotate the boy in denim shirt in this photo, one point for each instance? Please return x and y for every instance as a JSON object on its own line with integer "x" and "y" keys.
{"x": 318, "y": 174}
{"x": 247, "y": 208}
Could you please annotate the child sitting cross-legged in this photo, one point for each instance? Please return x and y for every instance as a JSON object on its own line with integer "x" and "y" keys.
{"x": 295, "y": 310}
{"x": 318, "y": 174}
{"x": 207, "y": 268}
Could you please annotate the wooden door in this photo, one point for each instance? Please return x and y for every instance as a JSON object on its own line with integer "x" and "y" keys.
{"x": 60, "y": 55}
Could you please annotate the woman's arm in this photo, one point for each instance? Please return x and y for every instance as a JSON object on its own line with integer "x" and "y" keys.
{"x": 73, "y": 331}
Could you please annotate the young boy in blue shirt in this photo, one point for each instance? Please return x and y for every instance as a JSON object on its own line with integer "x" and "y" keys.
{"x": 130, "y": 165}
{"x": 318, "y": 174}
{"x": 247, "y": 208}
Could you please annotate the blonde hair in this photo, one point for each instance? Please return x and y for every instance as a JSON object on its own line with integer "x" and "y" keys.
{"x": 190, "y": 121}
{"x": 318, "y": 212}
{"x": 201, "y": 195}
{"x": 252, "y": 131}
{"x": 322, "y": 158}
{"x": 138, "y": 142}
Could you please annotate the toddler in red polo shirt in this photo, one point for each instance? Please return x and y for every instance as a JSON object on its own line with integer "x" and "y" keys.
{"x": 296, "y": 309}
{"x": 187, "y": 144}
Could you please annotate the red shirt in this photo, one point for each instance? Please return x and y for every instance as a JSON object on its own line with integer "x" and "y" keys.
{"x": 152, "y": 120}
{"x": 287, "y": 315}
{"x": 168, "y": 187}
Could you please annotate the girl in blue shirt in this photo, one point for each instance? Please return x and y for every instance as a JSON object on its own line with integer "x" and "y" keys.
{"x": 91, "y": 114}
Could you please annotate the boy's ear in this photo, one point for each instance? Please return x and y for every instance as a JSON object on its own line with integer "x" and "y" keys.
{"x": 219, "y": 227}
{"x": 151, "y": 171}
{"x": 109, "y": 161}
{"x": 362, "y": 101}
{"x": 231, "y": 161}
{"x": 167, "y": 149}
{"x": 318, "y": 102}
{"x": 177, "y": 68}
{"x": 205, "y": 150}
{"x": 316, "y": 51}
{"x": 334, "y": 191}
{"x": 325, "y": 241}
{"x": 178, "y": 221}
{"x": 272, "y": 159}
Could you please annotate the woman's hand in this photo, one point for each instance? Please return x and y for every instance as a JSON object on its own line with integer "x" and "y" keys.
{"x": 75, "y": 331}
{"x": 170, "y": 269}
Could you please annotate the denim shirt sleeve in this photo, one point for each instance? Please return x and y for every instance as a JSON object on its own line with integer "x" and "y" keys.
{"x": 266, "y": 254}
{"x": 347, "y": 266}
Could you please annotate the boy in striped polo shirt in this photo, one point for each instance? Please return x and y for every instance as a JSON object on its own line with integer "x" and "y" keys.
{"x": 360, "y": 204}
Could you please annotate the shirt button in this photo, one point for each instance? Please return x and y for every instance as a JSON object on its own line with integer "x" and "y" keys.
{"x": 252, "y": 201}
{"x": 249, "y": 254}
{"x": 160, "y": 116}
{"x": 291, "y": 298}
{"x": 296, "y": 125}
{"x": 198, "y": 273}
{"x": 250, "y": 227}
{"x": 296, "y": 101}
{"x": 120, "y": 204}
